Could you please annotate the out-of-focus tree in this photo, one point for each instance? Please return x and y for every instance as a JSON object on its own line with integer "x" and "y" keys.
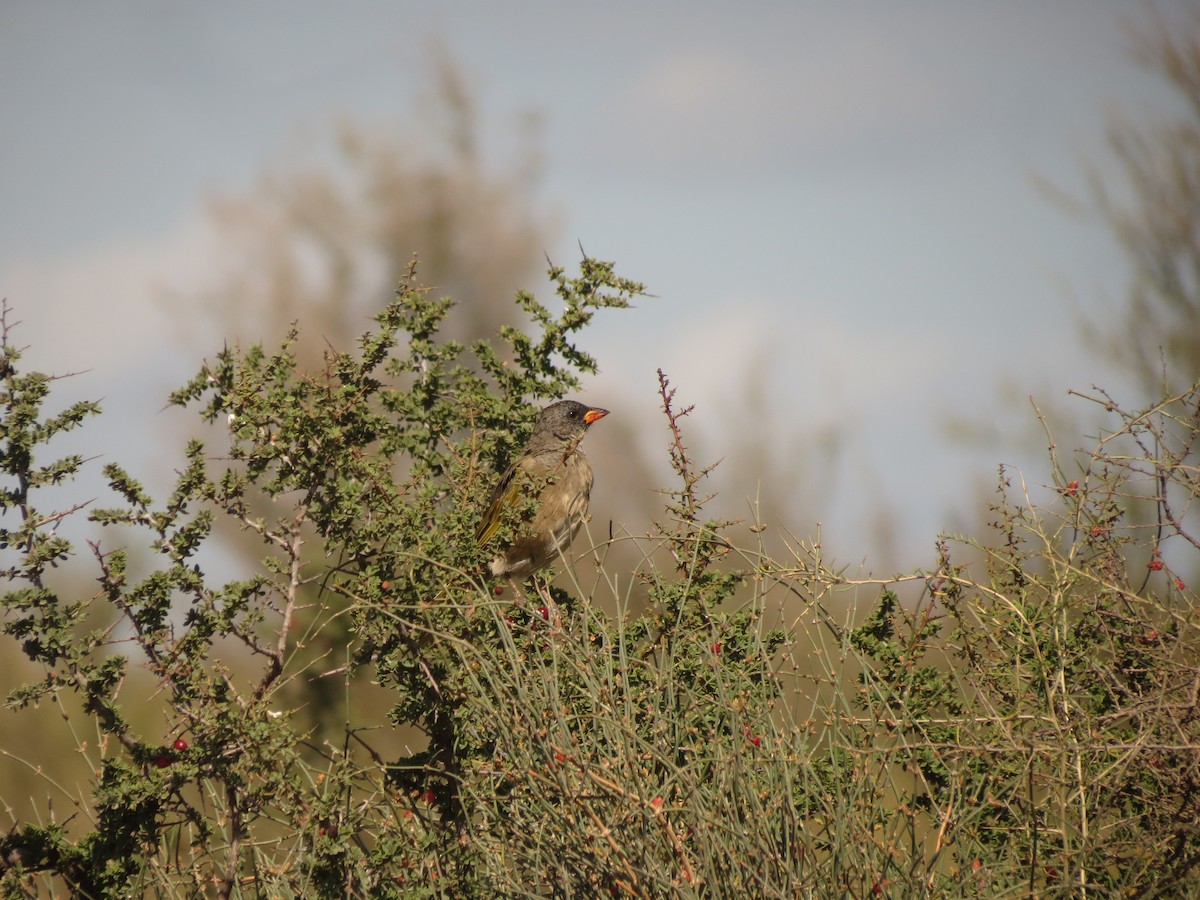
{"x": 1147, "y": 193}
{"x": 325, "y": 241}
{"x": 1154, "y": 213}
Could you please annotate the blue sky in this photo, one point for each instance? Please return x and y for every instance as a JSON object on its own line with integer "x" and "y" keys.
{"x": 838, "y": 199}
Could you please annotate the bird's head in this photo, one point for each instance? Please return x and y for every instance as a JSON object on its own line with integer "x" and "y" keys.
{"x": 567, "y": 419}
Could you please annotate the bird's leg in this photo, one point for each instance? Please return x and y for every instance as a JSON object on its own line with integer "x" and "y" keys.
{"x": 517, "y": 593}
{"x": 551, "y": 608}
{"x": 543, "y": 592}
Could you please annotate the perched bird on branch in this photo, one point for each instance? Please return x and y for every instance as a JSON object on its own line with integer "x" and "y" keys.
{"x": 553, "y": 468}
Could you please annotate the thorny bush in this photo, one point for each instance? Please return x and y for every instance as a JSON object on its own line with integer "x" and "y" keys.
{"x": 727, "y": 719}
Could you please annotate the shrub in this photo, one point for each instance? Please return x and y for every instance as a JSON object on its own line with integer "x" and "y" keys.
{"x": 1020, "y": 718}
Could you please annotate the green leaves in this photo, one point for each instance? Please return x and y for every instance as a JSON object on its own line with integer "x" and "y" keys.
{"x": 359, "y": 481}
{"x": 298, "y": 681}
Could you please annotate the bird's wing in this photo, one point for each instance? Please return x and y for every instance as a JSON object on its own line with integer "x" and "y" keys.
{"x": 505, "y": 496}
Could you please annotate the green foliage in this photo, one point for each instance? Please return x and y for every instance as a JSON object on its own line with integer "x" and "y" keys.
{"x": 1019, "y": 719}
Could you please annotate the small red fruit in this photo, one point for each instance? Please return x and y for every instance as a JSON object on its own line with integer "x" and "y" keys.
{"x": 544, "y": 613}
{"x": 162, "y": 760}
{"x": 180, "y": 744}
{"x": 429, "y": 796}
{"x": 1155, "y": 565}
{"x": 559, "y": 757}
{"x": 1179, "y": 585}
{"x": 1071, "y": 488}
{"x": 716, "y": 648}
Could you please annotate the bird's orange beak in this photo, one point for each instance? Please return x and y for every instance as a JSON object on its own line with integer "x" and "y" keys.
{"x": 593, "y": 415}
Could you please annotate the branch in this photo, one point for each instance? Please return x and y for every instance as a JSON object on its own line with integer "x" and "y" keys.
{"x": 292, "y": 544}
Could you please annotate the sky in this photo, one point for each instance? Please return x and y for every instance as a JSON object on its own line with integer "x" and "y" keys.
{"x": 837, "y": 203}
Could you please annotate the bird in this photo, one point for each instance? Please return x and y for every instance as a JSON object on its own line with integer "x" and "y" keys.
{"x": 552, "y": 464}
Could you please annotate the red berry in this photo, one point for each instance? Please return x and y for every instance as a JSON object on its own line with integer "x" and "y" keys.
{"x": 1155, "y": 565}
{"x": 498, "y": 591}
{"x": 162, "y": 760}
{"x": 716, "y": 648}
{"x": 430, "y": 796}
{"x": 1179, "y": 585}
{"x": 558, "y": 756}
{"x": 544, "y": 613}
{"x": 386, "y": 585}
{"x": 180, "y": 744}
